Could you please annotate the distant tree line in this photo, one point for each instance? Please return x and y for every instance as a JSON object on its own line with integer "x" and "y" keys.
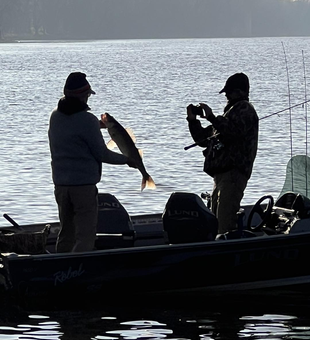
{"x": 121, "y": 19}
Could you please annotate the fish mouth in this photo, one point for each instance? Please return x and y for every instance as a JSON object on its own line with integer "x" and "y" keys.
{"x": 104, "y": 118}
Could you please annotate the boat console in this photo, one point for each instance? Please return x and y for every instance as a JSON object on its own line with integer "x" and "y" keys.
{"x": 289, "y": 214}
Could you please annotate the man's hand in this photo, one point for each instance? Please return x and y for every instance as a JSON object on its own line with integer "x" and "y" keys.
{"x": 208, "y": 111}
{"x": 190, "y": 115}
{"x": 101, "y": 124}
{"x": 102, "y": 121}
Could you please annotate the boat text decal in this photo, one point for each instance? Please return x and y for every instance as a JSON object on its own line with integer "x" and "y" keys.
{"x": 65, "y": 275}
{"x": 182, "y": 213}
{"x": 279, "y": 254}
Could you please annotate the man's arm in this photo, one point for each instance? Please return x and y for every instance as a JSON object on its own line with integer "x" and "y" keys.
{"x": 199, "y": 133}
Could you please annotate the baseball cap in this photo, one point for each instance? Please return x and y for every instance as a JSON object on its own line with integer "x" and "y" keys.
{"x": 237, "y": 81}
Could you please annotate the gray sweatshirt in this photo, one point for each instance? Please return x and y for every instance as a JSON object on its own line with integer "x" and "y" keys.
{"x": 78, "y": 149}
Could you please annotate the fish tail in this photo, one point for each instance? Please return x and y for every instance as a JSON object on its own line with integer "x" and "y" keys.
{"x": 148, "y": 182}
{"x": 143, "y": 184}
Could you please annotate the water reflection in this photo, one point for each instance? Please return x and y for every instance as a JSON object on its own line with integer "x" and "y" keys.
{"x": 163, "y": 324}
{"x": 270, "y": 326}
{"x": 142, "y": 329}
{"x": 37, "y": 329}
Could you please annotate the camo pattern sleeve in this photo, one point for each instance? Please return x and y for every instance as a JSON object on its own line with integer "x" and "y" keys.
{"x": 238, "y": 128}
{"x": 199, "y": 133}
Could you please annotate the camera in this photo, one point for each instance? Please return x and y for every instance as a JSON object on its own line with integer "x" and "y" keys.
{"x": 197, "y": 110}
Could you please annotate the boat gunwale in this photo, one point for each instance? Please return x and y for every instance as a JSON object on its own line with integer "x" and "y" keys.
{"x": 211, "y": 246}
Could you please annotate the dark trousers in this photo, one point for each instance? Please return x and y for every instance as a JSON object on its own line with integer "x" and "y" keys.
{"x": 226, "y": 197}
{"x": 78, "y": 214}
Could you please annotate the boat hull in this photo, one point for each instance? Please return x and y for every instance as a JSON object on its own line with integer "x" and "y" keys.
{"x": 227, "y": 266}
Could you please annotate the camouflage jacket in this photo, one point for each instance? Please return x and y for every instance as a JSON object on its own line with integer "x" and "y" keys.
{"x": 237, "y": 139}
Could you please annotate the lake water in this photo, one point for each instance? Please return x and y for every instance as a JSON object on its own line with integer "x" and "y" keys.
{"x": 146, "y": 85}
{"x": 148, "y": 320}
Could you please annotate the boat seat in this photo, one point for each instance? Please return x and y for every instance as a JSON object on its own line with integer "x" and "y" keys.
{"x": 114, "y": 228}
{"x": 187, "y": 219}
{"x": 295, "y": 201}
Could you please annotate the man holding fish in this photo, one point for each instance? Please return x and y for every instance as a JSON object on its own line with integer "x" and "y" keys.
{"x": 78, "y": 151}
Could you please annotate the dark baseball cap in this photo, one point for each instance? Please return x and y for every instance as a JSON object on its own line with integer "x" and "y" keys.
{"x": 237, "y": 81}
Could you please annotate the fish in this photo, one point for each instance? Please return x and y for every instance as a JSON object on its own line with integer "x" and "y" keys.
{"x": 125, "y": 141}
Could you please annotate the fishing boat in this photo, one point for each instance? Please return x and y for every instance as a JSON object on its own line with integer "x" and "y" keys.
{"x": 174, "y": 251}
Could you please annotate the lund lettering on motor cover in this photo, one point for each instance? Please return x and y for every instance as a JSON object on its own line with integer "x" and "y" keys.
{"x": 183, "y": 213}
{"x": 108, "y": 205}
{"x": 63, "y": 276}
{"x": 280, "y": 254}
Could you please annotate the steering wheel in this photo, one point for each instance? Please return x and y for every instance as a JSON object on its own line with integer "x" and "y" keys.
{"x": 263, "y": 214}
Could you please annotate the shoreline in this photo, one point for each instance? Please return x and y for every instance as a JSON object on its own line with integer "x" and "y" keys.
{"x": 45, "y": 38}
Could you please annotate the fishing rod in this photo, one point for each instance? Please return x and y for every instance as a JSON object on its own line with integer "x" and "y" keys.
{"x": 201, "y": 141}
{"x": 306, "y": 112}
{"x": 288, "y": 108}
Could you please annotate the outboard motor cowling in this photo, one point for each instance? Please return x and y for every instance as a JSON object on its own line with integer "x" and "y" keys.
{"x": 187, "y": 219}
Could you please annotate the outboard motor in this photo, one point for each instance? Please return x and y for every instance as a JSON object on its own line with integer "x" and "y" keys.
{"x": 187, "y": 219}
{"x": 112, "y": 216}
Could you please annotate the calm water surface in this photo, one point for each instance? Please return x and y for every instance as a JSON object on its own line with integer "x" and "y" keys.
{"x": 146, "y": 85}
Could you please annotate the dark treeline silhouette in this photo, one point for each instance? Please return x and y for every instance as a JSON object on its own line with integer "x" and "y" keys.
{"x": 121, "y": 19}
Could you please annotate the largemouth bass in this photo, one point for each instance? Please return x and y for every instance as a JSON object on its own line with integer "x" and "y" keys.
{"x": 127, "y": 147}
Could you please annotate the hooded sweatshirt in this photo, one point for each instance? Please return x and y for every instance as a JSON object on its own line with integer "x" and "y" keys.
{"x": 77, "y": 146}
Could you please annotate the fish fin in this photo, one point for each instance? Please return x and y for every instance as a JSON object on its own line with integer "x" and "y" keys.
{"x": 111, "y": 144}
{"x": 131, "y": 134}
{"x": 148, "y": 183}
{"x": 143, "y": 184}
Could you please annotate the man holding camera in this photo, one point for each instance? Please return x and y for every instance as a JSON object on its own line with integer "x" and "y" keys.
{"x": 231, "y": 145}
